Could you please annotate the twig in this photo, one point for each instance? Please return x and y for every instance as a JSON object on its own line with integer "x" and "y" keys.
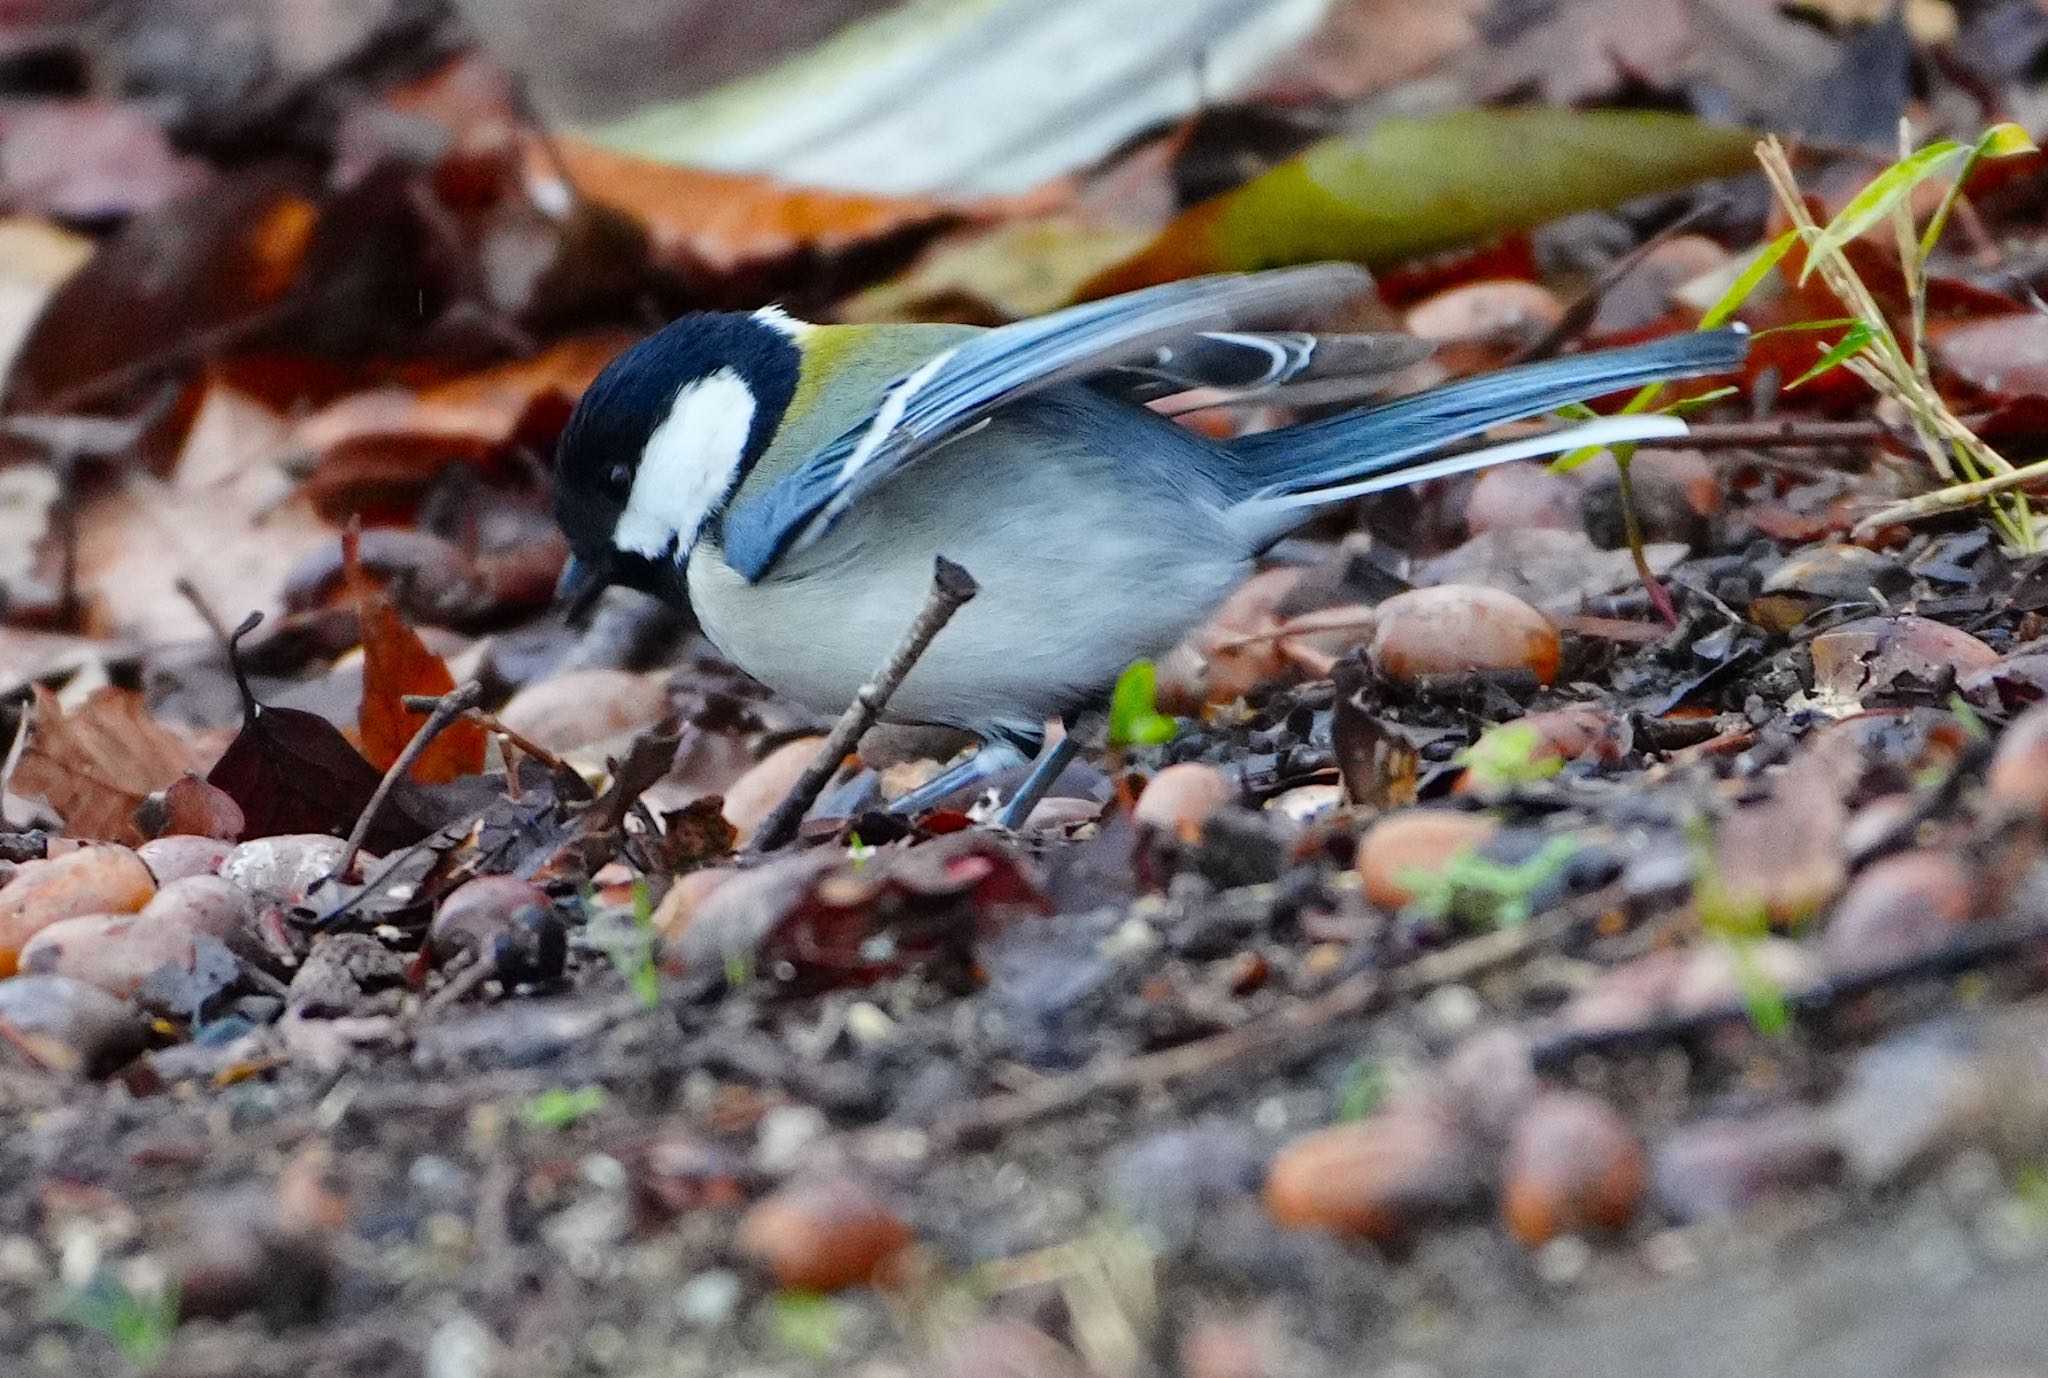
{"x": 1979, "y": 946}
{"x": 446, "y": 710}
{"x": 1581, "y": 313}
{"x": 490, "y": 722}
{"x": 189, "y": 591}
{"x": 1285, "y": 1037}
{"x": 1787, "y": 433}
{"x": 952, "y": 588}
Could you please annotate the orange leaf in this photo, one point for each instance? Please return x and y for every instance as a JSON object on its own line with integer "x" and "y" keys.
{"x": 725, "y": 219}
{"x": 396, "y": 663}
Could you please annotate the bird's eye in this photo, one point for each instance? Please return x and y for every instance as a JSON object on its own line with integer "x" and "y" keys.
{"x": 620, "y": 478}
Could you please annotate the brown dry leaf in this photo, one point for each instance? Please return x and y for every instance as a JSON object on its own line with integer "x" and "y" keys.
{"x": 1366, "y": 46}
{"x": 224, "y": 520}
{"x": 89, "y": 159}
{"x": 381, "y": 450}
{"x": 723, "y": 220}
{"x": 396, "y": 663}
{"x": 219, "y": 260}
{"x": 96, "y": 764}
{"x": 35, "y": 258}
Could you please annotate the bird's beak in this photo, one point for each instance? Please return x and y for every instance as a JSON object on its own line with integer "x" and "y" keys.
{"x": 581, "y": 583}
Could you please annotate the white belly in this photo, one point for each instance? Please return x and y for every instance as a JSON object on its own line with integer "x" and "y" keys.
{"x": 1068, "y": 597}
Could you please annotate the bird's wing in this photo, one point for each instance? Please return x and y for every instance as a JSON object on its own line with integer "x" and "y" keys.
{"x": 959, "y": 386}
{"x": 1246, "y": 362}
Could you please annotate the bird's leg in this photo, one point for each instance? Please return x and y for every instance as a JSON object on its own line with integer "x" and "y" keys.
{"x": 1044, "y": 775}
{"x": 996, "y": 755}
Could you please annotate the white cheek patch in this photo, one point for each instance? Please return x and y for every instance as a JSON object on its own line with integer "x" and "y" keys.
{"x": 690, "y": 465}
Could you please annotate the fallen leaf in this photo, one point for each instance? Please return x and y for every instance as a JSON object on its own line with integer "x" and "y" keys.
{"x": 95, "y": 765}
{"x": 379, "y": 452}
{"x": 1413, "y": 186}
{"x": 224, "y": 519}
{"x": 396, "y": 663}
{"x": 89, "y": 159}
{"x": 217, "y": 260}
{"x": 722, "y": 221}
{"x": 35, "y": 257}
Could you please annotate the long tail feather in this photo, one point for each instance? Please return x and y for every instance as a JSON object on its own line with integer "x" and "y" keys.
{"x": 1342, "y": 457}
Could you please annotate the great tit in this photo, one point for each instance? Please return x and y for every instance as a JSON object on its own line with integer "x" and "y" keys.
{"x": 792, "y": 483}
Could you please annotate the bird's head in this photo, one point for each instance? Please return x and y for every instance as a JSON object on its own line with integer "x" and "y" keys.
{"x": 661, "y": 440}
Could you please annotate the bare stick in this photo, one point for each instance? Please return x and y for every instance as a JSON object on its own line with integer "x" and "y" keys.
{"x": 952, "y": 587}
{"x": 446, "y": 710}
{"x": 489, "y": 722}
{"x": 1788, "y": 433}
{"x": 1288, "y": 1035}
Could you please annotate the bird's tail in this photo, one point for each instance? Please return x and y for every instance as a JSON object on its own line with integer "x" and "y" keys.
{"x": 1298, "y": 468}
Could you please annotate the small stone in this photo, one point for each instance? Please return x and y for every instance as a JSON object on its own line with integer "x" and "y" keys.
{"x": 1510, "y": 496}
{"x": 1181, "y": 798}
{"x": 91, "y": 880}
{"x": 505, "y": 922}
{"x": 583, "y": 708}
{"x": 1414, "y": 841}
{"x": 1899, "y": 908}
{"x": 1461, "y": 629}
{"x": 1876, "y": 656}
{"x": 1491, "y": 1077}
{"x": 1913, "y": 1099}
{"x": 1379, "y": 1178}
{"x": 1573, "y": 1165}
{"x": 1723, "y": 1165}
{"x": 752, "y": 797}
{"x": 2017, "y": 778}
{"x": 691, "y": 889}
{"x": 1494, "y": 311}
{"x": 281, "y": 869}
{"x": 66, "y": 1026}
{"x": 822, "y": 1235}
{"x": 183, "y": 854}
{"x": 117, "y": 952}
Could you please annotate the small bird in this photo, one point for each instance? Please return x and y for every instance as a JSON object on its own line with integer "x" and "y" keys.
{"x": 792, "y": 483}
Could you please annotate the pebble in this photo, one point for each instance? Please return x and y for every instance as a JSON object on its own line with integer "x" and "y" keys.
{"x": 1913, "y": 1098}
{"x": 1511, "y": 496}
{"x": 1508, "y": 310}
{"x": 503, "y": 921}
{"x": 1898, "y": 908}
{"x": 1378, "y": 1178}
{"x": 1572, "y": 1166}
{"x": 1875, "y": 656}
{"x": 184, "y": 854}
{"x": 66, "y": 1026}
{"x": 1491, "y": 1077}
{"x": 91, "y": 880}
{"x": 582, "y": 708}
{"x": 751, "y": 798}
{"x": 2017, "y": 778}
{"x": 1722, "y": 1165}
{"x": 1415, "y": 840}
{"x": 1181, "y": 798}
{"x": 1461, "y": 629}
{"x": 281, "y": 869}
{"x": 822, "y": 1235}
{"x": 117, "y": 952}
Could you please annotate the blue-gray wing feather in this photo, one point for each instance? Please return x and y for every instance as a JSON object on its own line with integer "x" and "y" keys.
{"x": 959, "y": 387}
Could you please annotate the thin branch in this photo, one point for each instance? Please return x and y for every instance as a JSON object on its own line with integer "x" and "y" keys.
{"x": 1787, "y": 433}
{"x": 446, "y": 710}
{"x": 490, "y": 722}
{"x": 952, "y": 588}
{"x": 1286, "y": 1037}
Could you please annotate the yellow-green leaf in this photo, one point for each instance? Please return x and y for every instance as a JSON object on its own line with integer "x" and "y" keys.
{"x": 1885, "y": 191}
{"x": 1414, "y": 186}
